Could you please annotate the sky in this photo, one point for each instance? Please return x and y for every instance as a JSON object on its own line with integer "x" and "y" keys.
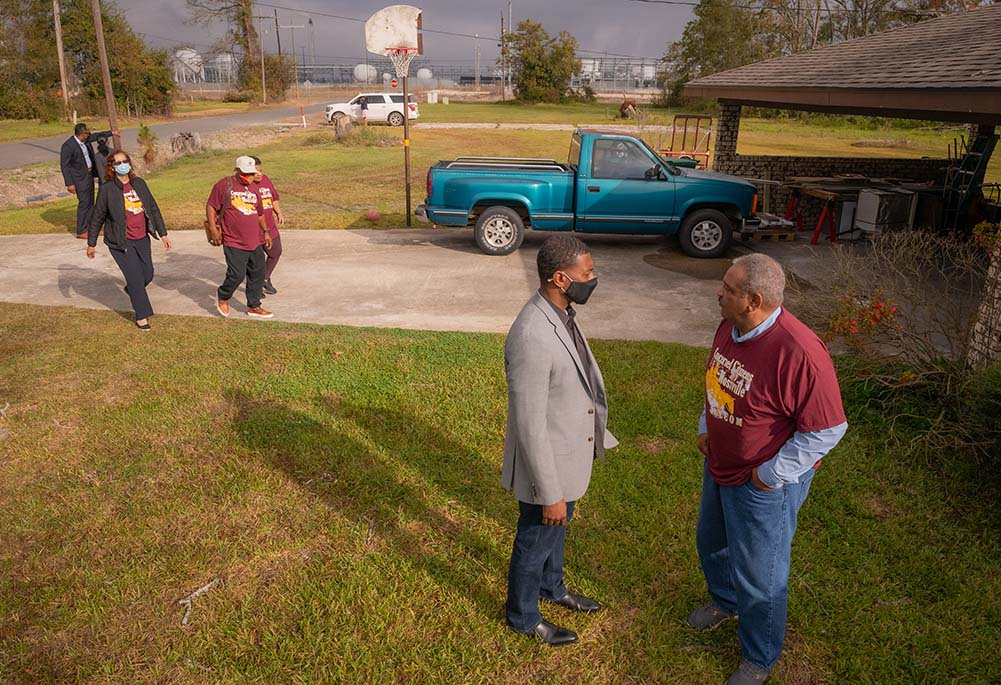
{"x": 625, "y": 27}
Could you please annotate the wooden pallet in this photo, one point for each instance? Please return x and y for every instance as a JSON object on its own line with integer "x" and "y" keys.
{"x": 767, "y": 235}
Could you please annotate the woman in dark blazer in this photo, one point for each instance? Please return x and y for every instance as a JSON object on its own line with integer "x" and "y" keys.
{"x": 128, "y": 213}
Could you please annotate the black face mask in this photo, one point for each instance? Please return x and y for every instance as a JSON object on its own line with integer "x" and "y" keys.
{"x": 580, "y": 291}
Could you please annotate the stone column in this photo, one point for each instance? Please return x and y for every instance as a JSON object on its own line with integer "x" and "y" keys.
{"x": 728, "y": 126}
{"x": 985, "y": 340}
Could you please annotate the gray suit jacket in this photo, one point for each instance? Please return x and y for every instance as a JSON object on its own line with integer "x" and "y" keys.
{"x": 549, "y": 448}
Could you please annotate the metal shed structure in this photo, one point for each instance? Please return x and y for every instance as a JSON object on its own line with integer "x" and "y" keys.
{"x": 946, "y": 69}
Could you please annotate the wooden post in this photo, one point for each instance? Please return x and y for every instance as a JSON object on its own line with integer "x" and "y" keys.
{"x": 62, "y": 59}
{"x": 109, "y": 95}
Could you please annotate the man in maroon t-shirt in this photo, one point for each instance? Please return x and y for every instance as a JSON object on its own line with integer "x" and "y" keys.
{"x": 235, "y": 204}
{"x": 772, "y": 411}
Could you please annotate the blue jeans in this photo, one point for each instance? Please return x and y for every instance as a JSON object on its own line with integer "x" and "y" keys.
{"x": 744, "y": 538}
{"x": 536, "y": 568}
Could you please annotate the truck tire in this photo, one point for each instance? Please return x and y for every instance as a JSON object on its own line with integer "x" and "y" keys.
{"x": 395, "y": 119}
{"x": 705, "y": 233}
{"x": 499, "y": 231}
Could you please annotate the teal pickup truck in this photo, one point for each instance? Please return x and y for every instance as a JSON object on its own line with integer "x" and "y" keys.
{"x": 612, "y": 183}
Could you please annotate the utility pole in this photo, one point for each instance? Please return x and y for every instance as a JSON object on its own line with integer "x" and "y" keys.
{"x": 476, "y": 61}
{"x": 62, "y": 60}
{"x": 503, "y": 79}
{"x": 109, "y": 96}
{"x": 264, "y": 85}
{"x": 510, "y": 27}
{"x": 312, "y": 42}
{"x": 278, "y": 35}
{"x": 295, "y": 66}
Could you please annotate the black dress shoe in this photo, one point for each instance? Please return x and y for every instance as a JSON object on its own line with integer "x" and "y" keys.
{"x": 577, "y": 603}
{"x": 268, "y": 288}
{"x": 553, "y": 635}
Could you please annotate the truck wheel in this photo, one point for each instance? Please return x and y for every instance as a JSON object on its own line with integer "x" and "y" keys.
{"x": 499, "y": 231}
{"x": 395, "y": 119}
{"x": 705, "y": 233}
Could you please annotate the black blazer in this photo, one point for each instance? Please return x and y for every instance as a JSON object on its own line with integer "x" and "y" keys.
{"x": 109, "y": 212}
{"x": 74, "y": 165}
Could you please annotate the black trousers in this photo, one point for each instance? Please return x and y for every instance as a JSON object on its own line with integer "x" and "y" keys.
{"x": 84, "y": 203}
{"x": 136, "y": 263}
{"x": 244, "y": 265}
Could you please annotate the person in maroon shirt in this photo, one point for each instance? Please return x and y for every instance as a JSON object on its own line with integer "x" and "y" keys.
{"x": 274, "y": 217}
{"x": 772, "y": 411}
{"x": 235, "y": 204}
{"x": 129, "y": 215}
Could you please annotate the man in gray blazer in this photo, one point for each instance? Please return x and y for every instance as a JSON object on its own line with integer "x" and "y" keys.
{"x": 557, "y": 413}
{"x": 79, "y": 166}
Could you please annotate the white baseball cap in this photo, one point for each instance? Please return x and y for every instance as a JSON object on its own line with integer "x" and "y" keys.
{"x": 246, "y": 164}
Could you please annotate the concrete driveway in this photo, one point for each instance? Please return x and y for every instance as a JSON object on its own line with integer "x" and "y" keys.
{"x": 434, "y": 279}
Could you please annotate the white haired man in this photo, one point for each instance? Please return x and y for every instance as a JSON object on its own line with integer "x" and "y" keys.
{"x": 772, "y": 411}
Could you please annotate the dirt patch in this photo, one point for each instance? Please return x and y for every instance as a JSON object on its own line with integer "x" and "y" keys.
{"x": 799, "y": 664}
{"x": 884, "y": 142}
{"x": 671, "y": 259}
{"x": 652, "y": 446}
{"x": 881, "y": 508}
{"x": 39, "y": 183}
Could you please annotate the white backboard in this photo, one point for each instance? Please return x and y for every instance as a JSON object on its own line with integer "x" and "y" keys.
{"x": 397, "y": 26}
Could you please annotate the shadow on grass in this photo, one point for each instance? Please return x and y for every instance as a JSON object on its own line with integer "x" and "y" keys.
{"x": 363, "y": 477}
{"x": 64, "y": 217}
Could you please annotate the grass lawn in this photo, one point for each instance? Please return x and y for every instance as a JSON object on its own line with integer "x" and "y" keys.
{"x": 343, "y": 485}
{"x": 542, "y": 113}
{"x": 326, "y": 185}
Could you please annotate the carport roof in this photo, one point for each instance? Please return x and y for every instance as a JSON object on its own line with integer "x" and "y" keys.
{"x": 946, "y": 69}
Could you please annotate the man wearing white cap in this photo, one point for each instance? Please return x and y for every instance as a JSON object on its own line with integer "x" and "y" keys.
{"x": 235, "y": 216}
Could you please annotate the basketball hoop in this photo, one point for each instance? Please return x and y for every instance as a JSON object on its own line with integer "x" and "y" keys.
{"x": 399, "y": 28}
{"x": 401, "y": 59}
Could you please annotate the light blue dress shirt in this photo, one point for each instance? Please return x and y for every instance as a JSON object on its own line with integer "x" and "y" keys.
{"x": 86, "y": 154}
{"x": 802, "y": 451}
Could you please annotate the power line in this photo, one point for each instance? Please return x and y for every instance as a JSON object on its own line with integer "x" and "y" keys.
{"x": 825, "y": 10}
{"x": 439, "y": 31}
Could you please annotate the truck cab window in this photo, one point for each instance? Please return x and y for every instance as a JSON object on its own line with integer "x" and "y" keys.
{"x": 616, "y": 158}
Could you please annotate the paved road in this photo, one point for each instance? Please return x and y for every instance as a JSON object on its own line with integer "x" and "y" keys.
{"x": 47, "y": 149}
{"x": 432, "y": 279}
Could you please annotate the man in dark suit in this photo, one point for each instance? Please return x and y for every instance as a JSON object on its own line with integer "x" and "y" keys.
{"x": 557, "y": 413}
{"x": 80, "y": 168}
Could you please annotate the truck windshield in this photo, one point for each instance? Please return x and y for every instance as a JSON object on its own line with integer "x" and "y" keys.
{"x": 670, "y": 167}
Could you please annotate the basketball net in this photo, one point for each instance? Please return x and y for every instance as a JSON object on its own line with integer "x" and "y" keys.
{"x": 401, "y": 59}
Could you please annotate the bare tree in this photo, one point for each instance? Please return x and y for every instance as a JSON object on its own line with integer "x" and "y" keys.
{"x": 238, "y": 14}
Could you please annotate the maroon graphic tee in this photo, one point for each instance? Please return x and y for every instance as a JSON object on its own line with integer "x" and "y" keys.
{"x": 269, "y": 194}
{"x": 761, "y": 391}
{"x": 240, "y": 227}
{"x": 135, "y": 215}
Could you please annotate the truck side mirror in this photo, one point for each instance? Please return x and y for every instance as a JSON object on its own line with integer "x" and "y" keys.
{"x": 652, "y": 173}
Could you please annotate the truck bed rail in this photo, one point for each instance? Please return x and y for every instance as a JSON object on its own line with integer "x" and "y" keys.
{"x": 535, "y": 164}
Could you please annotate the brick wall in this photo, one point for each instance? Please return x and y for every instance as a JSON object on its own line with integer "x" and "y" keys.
{"x": 776, "y": 168}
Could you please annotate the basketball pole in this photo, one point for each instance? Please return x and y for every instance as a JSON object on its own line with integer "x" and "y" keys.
{"x": 406, "y": 139}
